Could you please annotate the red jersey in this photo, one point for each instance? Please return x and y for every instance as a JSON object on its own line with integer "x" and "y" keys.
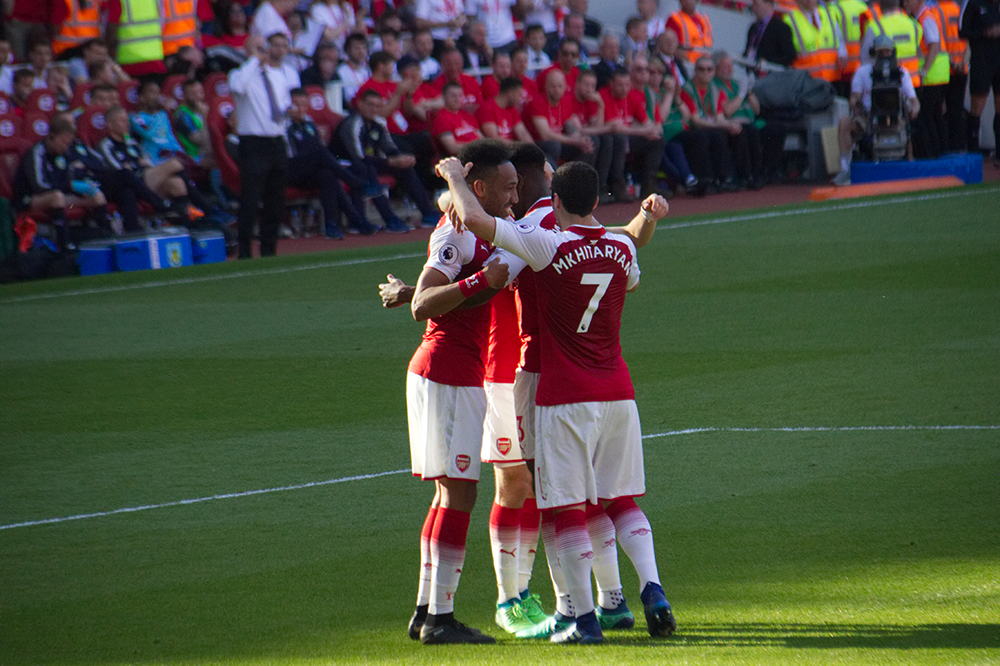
{"x": 527, "y": 303}
{"x": 473, "y": 93}
{"x": 454, "y": 344}
{"x": 506, "y": 119}
{"x": 583, "y": 276}
{"x": 460, "y": 124}
{"x": 425, "y": 91}
{"x": 530, "y": 90}
{"x": 585, "y": 111}
{"x": 505, "y": 344}
{"x": 630, "y": 108}
{"x": 570, "y": 78}
{"x": 396, "y": 123}
{"x": 490, "y": 87}
{"x": 557, "y": 115}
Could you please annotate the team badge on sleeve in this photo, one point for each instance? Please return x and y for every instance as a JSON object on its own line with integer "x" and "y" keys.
{"x": 448, "y": 254}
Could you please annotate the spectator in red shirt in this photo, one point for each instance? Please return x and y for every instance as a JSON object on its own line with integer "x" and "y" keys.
{"x": 490, "y": 86}
{"x": 704, "y": 101}
{"x": 392, "y": 93}
{"x": 636, "y": 136}
{"x": 499, "y": 117}
{"x": 26, "y": 17}
{"x": 556, "y": 130}
{"x": 451, "y": 72}
{"x": 519, "y": 70}
{"x": 567, "y": 61}
{"x": 453, "y": 126}
{"x": 588, "y": 107}
{"x": 23, "y": 85}
{"x": 418, "y": 105}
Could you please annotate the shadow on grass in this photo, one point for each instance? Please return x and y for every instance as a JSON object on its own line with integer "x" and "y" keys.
{"x": 820, "y": 636}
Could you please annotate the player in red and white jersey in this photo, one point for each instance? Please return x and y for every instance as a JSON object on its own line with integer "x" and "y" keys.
{"x": 446, "y": 402}
{"x": 589, "y": 445}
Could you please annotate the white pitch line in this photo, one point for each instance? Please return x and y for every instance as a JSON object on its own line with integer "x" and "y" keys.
{"x": 363, "y": 477}
{"x": 819, "y": 208}
{"x": 691, "y": 431}
{"x": 198, "y": 500}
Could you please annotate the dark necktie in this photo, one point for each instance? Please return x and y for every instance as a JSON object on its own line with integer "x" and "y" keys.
{"x": 277, "y": 115}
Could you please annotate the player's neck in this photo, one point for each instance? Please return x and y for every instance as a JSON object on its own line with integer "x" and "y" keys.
{"x": 567, "y": 220}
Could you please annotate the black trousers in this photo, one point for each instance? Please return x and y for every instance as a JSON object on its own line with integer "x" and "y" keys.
{"x": 931, "y": 132}
{"x": 748, "y": 153}
{"x": 954, "y": 113}
{"x": 321, "y": 170}
{"x": 707, "y": 151}
{"x": 126, "y": 189}
{"x": 263, "y": 162}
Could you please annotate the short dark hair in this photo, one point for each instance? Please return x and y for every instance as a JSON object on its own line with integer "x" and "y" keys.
{"x": 577, "y": 185}
{"x": 569, "y": 40}
{"x": 103, "y": 87}
{"x": 634, "y": 21}
{"x": 534, "y": 27}
{"x": 518, "y": 49}
{"x": 354, "y": 37}
{"x": 370, "y": 92}
{"x": 146, "y": 83}
{"x": 527, "y": 156}
{"x": 486, "y": 156}
{"x": 510, "y": 83}
{"x": 298, "y": 92}
{"x": 187, "y": 83}
{"x": 23, "y": 74}
{"x": 61, "y": 124}
{"x": 379, "y": 58}
{"x": 273, "y": 35}
{"x": 448, "y": 86}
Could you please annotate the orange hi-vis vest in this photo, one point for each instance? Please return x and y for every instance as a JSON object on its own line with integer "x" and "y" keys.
{"x": 180, "y": 25}
{"x": 785, "y": 6}
{"x": 951, "y": 14}
{"x": 697, "y": 33}
{"x": 906, "y": 34}
{"x": 851, "y": 17}
{"x": 939, "y": 70}
{"x": 816, "y": 49}
{"x": 83, "y": 23}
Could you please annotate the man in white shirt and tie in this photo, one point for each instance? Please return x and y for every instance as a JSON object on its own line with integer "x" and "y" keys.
{"x": 261, "y": 89}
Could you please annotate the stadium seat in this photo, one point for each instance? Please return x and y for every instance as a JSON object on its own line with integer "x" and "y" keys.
{"x": 5, "y": 105}
{"x": 90, "y": 126}
{"x": 11, "y": 140}
{"x": 9, "y": 162}
{"x": 326, "y": 119}
{"x": 173, "y": 91}
{"x": 216, "y": 85}
{"x": 41, "y": 100}
{"x": 34, "y": 127}
{"x": 218, "y": 127}
{"x": 81, "y": 96}
{"x": 128, "y": 93}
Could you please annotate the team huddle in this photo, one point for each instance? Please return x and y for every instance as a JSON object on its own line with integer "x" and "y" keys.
{"x": 520, "y": 366}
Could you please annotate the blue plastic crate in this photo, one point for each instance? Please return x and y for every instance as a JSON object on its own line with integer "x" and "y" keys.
{"x": 164, "y": 248}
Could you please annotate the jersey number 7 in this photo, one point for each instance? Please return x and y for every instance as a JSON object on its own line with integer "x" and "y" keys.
{"x": 602, "y": 281}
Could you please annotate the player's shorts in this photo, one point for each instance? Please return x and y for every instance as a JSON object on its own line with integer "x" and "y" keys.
{"x": 446, "y": 428}
{"x": 500, "y": 445}
{"x": 984, "y": 74}
{"x": 586, "y": 452}
{"x": 525, "y": 387}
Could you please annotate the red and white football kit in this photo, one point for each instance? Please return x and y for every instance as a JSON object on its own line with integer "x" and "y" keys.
{"x": 589, "y": 441}
{"x": 501, "y": 443}
{"x": 446, "y": 403}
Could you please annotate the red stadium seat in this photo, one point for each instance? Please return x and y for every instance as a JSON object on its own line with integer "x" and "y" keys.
{"x": 326, "y": 119}
{"x": 173, "y": 91}
{"x": 35, "y": 127}
{"x": 41, "y": 100}
{"x": 216, "y": 85}
{"x": 81, "y": 96}
{"x": 218, "y": 128}
{"x": 128, "y": 92}
{"x": 11, "y": 140}
{"x": 5, "y": 105}
{"x": 90, "y": 126}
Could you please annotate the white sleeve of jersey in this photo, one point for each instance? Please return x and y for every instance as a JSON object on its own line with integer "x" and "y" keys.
{"x": 634, "y": 273}
{"x": 449, "y": 250}
{"x": 536, "y": 246}
{"x": 515, "y": 264}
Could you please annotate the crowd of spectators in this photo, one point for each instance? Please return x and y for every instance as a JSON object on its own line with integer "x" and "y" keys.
{"x": 655, "y": 109}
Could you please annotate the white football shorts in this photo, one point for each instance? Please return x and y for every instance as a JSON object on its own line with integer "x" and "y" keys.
{"x": 446, "y": 428}
{"x": 500, "y": 441}
{"x": 586, "y": 452}
{"x": 525, "y": 387}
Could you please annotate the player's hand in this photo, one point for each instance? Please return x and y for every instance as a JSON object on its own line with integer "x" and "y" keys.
{"x": 496, "y": 274}
{"x": 394, "y": 292}
{"x": 654, "y": 206}
{"x": 255, "y": 46}
{"x": 452, "y": 166}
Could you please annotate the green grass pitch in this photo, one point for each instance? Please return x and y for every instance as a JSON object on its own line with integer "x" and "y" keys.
{"x": 800, "y": 374}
